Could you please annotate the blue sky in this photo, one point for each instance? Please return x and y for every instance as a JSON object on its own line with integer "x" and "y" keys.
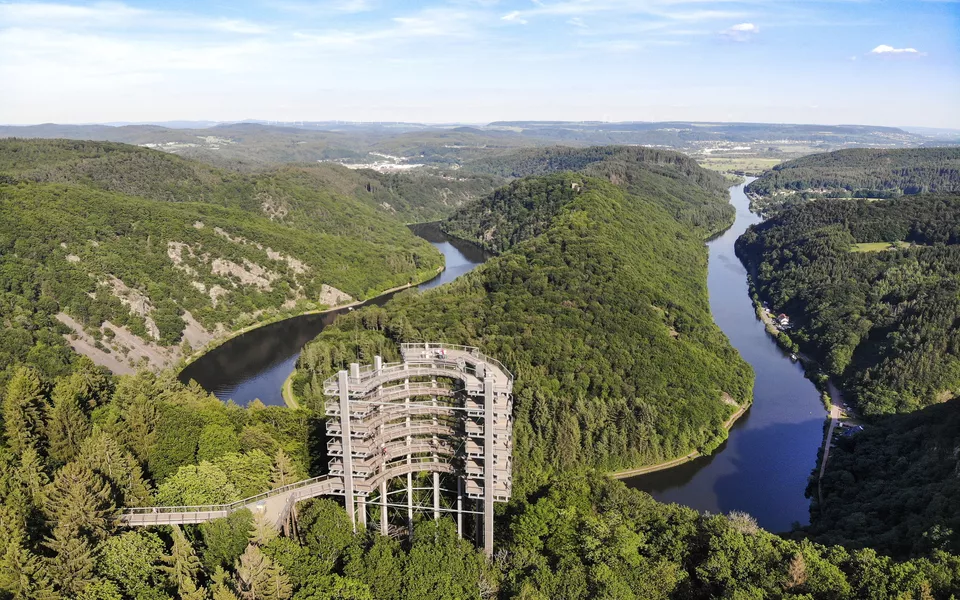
{"x": 803, "y": 61}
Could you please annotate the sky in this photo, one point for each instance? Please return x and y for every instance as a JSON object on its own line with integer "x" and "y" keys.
{"x": 870, "y": 62}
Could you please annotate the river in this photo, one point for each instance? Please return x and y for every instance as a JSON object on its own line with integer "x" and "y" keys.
{"x": 763, "y": 467}
{"x": 255, "y": 364}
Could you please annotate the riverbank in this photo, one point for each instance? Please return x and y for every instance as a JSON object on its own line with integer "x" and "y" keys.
{"x": 669, "y": 464}
{"x": 289, "y": 397}
{"x": 213, "y": 345}
{"x": 837, "y": 413}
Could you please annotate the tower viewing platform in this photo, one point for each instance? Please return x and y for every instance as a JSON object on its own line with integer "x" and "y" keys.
{"x": 443, "y": 410}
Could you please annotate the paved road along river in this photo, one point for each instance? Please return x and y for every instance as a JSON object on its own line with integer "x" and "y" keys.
{"x": 763, "y": 467}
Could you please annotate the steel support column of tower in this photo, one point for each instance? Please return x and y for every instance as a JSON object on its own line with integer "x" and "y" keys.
{"x": 488, "y": 396}
{"x": 460, "y": 507}
{"x": 384, "y": 524}
{"x": 410, "y": 505}
{"x": 436, "y": 476}
{"x": 347, "y": 445}
{"x": 362, "y": 510}
{"x": 406, "y": 383}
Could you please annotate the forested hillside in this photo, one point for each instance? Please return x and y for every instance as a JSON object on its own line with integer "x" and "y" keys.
{"x": 894, "y": 486}
{"x": 693, "y": 195}
{"x": 861, "y": 173}
{"x": 72, "y": 454}
{"x": 131, "y": 247}
{"x": 599, "y": 305}
{"x": 882, "y": 318}
{"x": 325, "y": 197}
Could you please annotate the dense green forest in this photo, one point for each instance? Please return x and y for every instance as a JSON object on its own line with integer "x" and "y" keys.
{"x": 893, "y": 487}
{"x": 861, "y": 173}
{"x": 75, "y": 450}
{"x": 153, "y": 243}
{"x": 693, "y": 195}
{"x": 599, "y": 305}
{"x": 325, "y": 197}
{"x": 885, "y": 322}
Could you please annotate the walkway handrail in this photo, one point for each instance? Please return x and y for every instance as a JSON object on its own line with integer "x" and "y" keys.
{"x": 229, "y": 507}
{"x": 368, "y": 372}
{"x": 472, "y": 350}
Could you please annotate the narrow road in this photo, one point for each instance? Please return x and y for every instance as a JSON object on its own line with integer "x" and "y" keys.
{"x": 834, "y": 417}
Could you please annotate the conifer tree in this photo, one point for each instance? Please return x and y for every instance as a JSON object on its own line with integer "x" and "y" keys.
{"x": 263, "y": 531}
{"x": 140, "y": 419}
{"x": 24, "y": 407}
{"x": 259, "y": 578}
{"x": 182, "y": 565}
{"x": 81, "y": 500}
{"x": 94, "y": 387}
{"x": 32, "y": 476}
{"x": 221, "y": 587}
{"x": 104, "y": 455}
{"x": 22, "y": 574}
{"x": 190, "y": 591}
{"x": 284, "y": 471}
{"x": 72, "y": 563}
{"x": 67, "y": 425}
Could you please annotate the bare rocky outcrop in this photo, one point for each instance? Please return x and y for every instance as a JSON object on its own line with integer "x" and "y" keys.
{"x": 274, "y": 208}
{"x": 249, "y": 273}
{"x": 728, "y": 399}
{"x": 122, "y": 351}
{"x": 175, "y": 252}
{"x": 331, "y": 296}
{"x": 217, "y": 292}
{"x": 295, "y": 265}
{"x": 137, "y": 302}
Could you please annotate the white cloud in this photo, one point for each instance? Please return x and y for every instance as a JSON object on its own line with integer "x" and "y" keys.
{"x": 324, "y": 9}
{"x": 114, "y": 16}
{"x": 513, "y": 17}
{"x": 577, "y": 22}
{"x": 885, "y": 49}
{"x": 741, "y": 32}
{"x": 428, "y": 23}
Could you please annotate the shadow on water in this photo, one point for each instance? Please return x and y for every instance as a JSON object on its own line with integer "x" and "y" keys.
{"x": 763, "y": 466}
{"x": 255, "y": 364}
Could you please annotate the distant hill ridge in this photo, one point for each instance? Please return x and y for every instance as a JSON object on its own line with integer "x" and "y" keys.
{"x": 696, "y": 196}
{"x": 863, "y": 173}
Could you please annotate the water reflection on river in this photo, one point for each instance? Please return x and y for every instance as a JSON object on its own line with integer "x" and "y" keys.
{"x": 763, "y": 467}
{"x": 255, "y": 364}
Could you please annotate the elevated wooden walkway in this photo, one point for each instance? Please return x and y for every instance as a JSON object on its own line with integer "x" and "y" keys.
{"x": 444, "y": 409}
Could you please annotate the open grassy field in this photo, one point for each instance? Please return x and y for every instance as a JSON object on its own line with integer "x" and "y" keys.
{"x": 750, "y": 165}
{"x": 879, "y": 246}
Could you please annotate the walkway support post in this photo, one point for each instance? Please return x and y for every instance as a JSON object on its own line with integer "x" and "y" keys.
{"x": 344, "y": 389}
{"x": 460, "y": 507}
{"x": 410, "y": 505}
{"x": 488, "y": 412}
{"x": 384, "y": 524}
